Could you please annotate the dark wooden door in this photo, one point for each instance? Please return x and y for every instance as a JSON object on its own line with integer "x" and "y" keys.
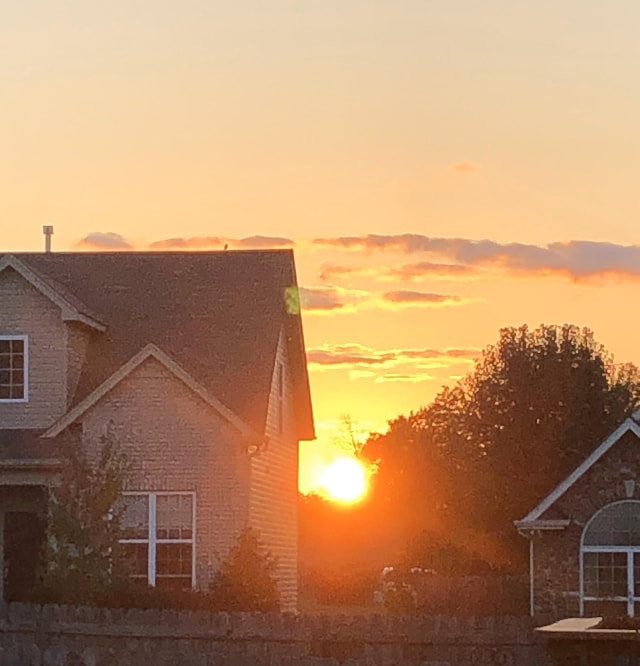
{"x": 24, "y": 538}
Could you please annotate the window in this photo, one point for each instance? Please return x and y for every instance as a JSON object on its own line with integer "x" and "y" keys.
{"x": 611, "y": 560}
{"x": 13, "y": 368}
{"x": 158, "y": 538}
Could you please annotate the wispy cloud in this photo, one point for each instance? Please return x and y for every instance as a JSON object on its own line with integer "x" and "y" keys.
{"x": 420, "y": 270}
{"x": 404, "y": 377}
{"x": 576, "y": 260}
{"x": 464, "y": 167}
{"x": 415, "y": 271}
{"x": 420, "y": 298}
{"x": 340, "y": 356}
{"x": 219, "y": 243}
{"x": 105, "y": 241}
{"x": 328, "y": 300}
{"x": 339, "y": 300}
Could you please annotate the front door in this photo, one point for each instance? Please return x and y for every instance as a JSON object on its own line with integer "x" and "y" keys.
{"x": 24, "y": 541}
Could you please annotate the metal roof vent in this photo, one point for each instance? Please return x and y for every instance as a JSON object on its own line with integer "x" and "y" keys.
{"x": 47, "y": 230}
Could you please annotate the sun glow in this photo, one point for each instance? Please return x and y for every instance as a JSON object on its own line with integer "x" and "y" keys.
{"x": 344, "y": 480}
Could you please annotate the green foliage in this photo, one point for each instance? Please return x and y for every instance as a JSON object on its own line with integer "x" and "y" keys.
{"x": 487, "y": 450}
{"x": 83, "y": 530}
{"x": 245, "y": 581}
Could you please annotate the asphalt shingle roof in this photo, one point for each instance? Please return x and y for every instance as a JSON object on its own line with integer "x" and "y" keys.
{"x": 218, "y": 314}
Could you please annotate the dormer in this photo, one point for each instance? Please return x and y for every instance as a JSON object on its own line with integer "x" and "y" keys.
{"x": 43, "y": 334}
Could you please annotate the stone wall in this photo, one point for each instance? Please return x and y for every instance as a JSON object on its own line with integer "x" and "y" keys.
{"x": 64, "y": 635}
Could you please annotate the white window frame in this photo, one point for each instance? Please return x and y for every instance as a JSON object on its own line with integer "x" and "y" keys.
{"x": 25, "y": 369}
{"x": 631, "y": 598}
{"x": 152, "y": 540}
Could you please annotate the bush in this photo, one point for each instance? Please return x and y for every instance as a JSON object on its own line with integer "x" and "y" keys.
{"x": 245, "y": 580}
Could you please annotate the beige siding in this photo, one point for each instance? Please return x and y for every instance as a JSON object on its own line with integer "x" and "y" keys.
{"x": 78, "y": 337}
{"x": 175, "y": 441}
{"x": 25, "y": 311}
{"x": 274, "y": 485}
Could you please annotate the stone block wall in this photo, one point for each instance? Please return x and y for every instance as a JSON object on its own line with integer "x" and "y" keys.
{"x": 64, "y": 635}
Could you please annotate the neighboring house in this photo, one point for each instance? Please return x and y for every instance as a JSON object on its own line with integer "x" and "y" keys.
{"x": 196, "y": 362}
{"x": 584, "y": 537}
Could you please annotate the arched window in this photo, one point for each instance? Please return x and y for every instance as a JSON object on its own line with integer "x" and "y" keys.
{"x": 610, "y": 560}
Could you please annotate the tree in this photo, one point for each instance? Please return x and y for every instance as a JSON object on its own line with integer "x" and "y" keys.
{"x": 488, "y": 449}
{"x": 245, "y": 581}
{"x": 81, "y": 562}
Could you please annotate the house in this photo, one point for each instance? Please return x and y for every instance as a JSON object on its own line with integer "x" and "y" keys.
{"x": 584, "y": 537}
{"x": 195, "y": 362}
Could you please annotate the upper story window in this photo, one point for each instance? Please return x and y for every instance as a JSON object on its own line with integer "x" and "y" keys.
{"x": 14, "y": 367}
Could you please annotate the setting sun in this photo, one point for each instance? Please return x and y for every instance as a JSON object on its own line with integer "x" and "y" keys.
{"x": 345, "y": 480}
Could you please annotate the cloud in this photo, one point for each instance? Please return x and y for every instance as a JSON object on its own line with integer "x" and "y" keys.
{"x": 429, "y": 269}
{"x": 348, "y": 355}
{"x": 583, "y": 261}
{"x": 331, "y": 299}
{"x": 339, "y": 300}
{"x": 339, "y": 356}
{"x": 98, "y": 240}
{"x": 420, "y": 298}
{"x": 464, "y": 167}
{"x": 416, "y": 271}
{"x": 400, "y": 377}
{"x": 329, "y": 271}
{"x": 220, "y": 243}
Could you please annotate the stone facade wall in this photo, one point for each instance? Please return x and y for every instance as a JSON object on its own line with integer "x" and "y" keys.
{"x": 55, "y": 635}
{"x": 174, "y": 441}
{"x": 274, "y": 483}
{"x": 25, "y": 311}
{"x": 557, "y": 553}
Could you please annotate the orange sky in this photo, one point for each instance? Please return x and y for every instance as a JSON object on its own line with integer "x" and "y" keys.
{"x": 454, "y": 122}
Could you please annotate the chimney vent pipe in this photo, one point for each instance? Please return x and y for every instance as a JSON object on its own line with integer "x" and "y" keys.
{"x": 47, "y": 230}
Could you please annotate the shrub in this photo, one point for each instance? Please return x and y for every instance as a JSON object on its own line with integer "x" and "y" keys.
{"x": 245, "y": 581}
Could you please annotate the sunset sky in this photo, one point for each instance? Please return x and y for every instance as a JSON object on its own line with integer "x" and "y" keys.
{"x": 441, "y": 168}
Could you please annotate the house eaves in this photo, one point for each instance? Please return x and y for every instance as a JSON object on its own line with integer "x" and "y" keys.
{"x": 71, "y": 311}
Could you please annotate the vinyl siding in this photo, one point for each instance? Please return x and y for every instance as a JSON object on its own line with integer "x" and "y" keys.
{"x": 26, "y": 311}
{"x": 77, "y": 341}
{"x": 274, "y": 485}
{"x": 175, "y": 441}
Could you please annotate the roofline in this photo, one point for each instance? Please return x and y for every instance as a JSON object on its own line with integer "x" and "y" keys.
{"x": 540, "y": 525}
{"x": 628, "y": 425}
{"x": 30, "y": 463}
{"x": 149, "y": 351}
{"x": 69, "y": 311}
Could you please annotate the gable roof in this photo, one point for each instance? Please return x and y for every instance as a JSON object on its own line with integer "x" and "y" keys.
{"x": 150, "y": 351}
{"x": 72, "y": 308}
{"x": 218, "y": 315}
{"x": 533, "y": 517}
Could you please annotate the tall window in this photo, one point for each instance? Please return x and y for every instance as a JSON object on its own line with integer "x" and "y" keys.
{"x": 611, "y": 560}
{"x": 158, "y": 537}
{"x": 13, "y": 368}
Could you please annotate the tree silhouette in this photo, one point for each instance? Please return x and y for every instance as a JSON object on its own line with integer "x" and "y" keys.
{"x": 486, "y": 450}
